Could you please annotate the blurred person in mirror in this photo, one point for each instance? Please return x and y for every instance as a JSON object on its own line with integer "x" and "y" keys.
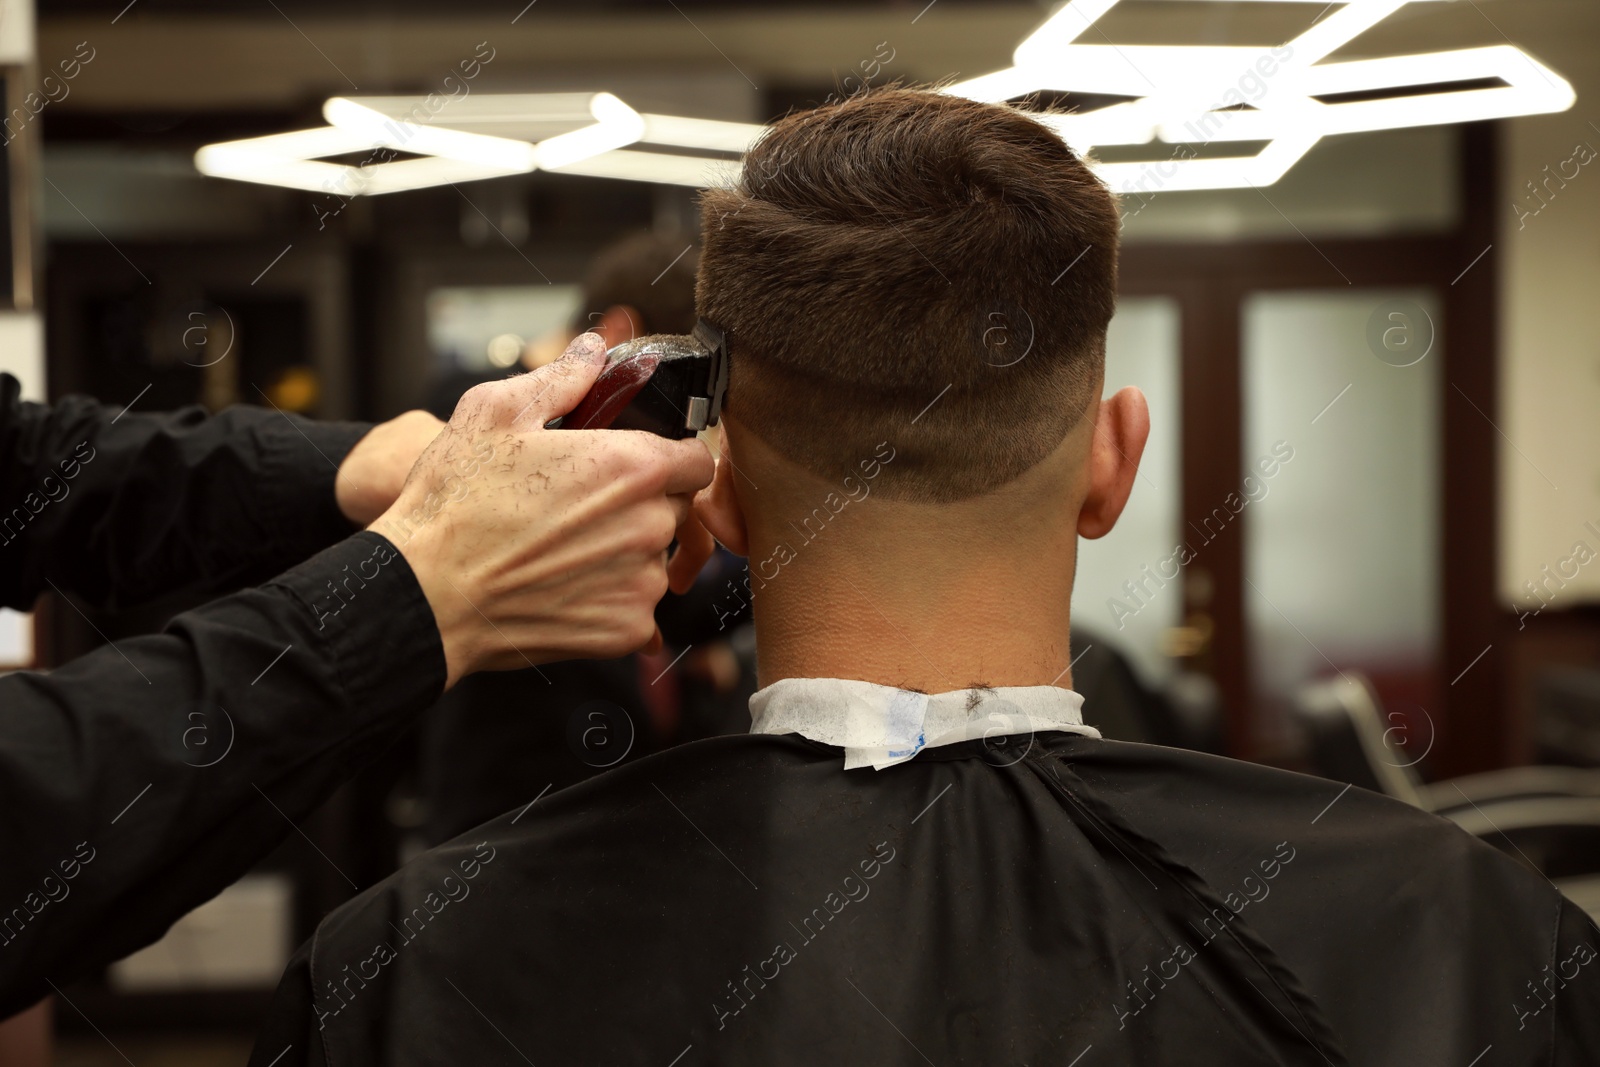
{"x": 500, "y": 739}
{"x": 638, "y": 284}
{"x": 923, "y": 851}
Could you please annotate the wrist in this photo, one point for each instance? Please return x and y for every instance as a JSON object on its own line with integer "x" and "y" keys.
{"x": 373, "y": 473}
{"x": 458, "y": 621}
{"x": 344, "y": 494}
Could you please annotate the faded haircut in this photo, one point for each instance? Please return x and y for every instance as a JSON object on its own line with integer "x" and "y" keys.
{"x": 911, "y": 267}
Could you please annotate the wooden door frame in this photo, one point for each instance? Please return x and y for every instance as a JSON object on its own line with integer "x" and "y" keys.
{"x": 1210, "y": 282}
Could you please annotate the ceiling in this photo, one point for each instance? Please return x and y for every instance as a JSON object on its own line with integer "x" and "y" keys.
{"x": 221, "y": 55}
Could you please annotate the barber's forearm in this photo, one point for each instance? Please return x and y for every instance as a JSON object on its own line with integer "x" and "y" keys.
{"x": 159, "y": 770}
{"x": 122, "y": 506}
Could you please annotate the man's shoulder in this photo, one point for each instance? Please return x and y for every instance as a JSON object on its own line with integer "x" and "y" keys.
{"x": 1202, "y": 805}
{"x": 613, "y": 830}
{"x": 1178, "y": 783}
{"x": 1385, "y": 912}
{"x": 628, "y": 799}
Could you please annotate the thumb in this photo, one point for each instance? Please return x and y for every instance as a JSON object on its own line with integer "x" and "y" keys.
{"x": 556, "y": 388}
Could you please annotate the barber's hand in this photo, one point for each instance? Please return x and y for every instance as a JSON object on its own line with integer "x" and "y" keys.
{"x": 535, "y": 545}
{"x": 695, "y": 544}
{"x": 370, "y": 477}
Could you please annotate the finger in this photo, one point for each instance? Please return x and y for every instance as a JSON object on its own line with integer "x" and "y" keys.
{"x": 695, "y": 546}
{"x": 656, "y": 465}
{"x": 652, "y": 646}
{"x": 682, "y": 507}
{"x": 690, "y": 467}
{"x": 535, "y": 398}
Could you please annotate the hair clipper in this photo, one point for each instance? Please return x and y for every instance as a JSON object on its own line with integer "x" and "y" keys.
{"x": 671, "y": 385}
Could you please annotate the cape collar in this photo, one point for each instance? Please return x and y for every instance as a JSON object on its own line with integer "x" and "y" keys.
{"x": 879, "y": 726}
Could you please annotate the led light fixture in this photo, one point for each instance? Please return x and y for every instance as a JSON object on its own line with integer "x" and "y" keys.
{"x": 483, "y": 136}
{"x": 1283, "y": 99}
{"x": 1191, "y": 96}
{"x": 297, "y": 160}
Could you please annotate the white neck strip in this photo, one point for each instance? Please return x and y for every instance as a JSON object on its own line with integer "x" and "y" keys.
{"x": 880, "y": 726}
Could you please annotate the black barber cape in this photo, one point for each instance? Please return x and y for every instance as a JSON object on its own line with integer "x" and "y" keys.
{"x": 138, "y": 781}
{"x": 1048, "y": 900}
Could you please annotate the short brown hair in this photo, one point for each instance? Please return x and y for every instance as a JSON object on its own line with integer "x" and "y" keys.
{"x": 878, "y": 250}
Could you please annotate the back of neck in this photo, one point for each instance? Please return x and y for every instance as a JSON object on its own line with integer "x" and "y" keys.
{"x": 920, "y": 616}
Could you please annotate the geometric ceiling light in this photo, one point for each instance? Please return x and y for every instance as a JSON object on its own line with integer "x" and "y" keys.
{"x": 730, "y": 139}
{"x": 618, "y": 142}
{"x": 483, "y": 135}
{"x": 398, "y": 134}
{"x": 297, "y": 160}
{"x": 1189, "y": 97}
{"x": 1194, "y": 101}
{"x": 567, "y": 126}
{"x": 571, "y": 125}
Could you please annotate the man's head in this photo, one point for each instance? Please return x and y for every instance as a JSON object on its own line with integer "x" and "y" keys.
{"x": 904, "y": 248}
{"x": 646, "y": 277}
{"x": 916, "y": 289}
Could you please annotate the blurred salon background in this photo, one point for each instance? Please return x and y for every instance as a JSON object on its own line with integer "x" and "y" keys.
{"x": 1365, "y": 541}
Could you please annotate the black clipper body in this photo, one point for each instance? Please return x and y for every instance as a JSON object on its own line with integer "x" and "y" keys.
{"x": 671, "y": 385}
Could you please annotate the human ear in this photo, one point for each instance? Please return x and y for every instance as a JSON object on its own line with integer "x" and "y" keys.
{"x": 617, "y": 324}
{"x": 1121, "y": 427}
{"x": 717, "y": 505}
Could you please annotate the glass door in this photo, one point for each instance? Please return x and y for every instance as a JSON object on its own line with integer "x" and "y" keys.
{"x": 1339, "y": 495}
{"x": 1303, "y": 397}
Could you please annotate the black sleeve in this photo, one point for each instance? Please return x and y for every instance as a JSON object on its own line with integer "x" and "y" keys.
{"x": 139, "y": 781}
{"x": 1575, "y": 973}
{"x": 292, "y": 1035}
{"x": 119, "y": 506}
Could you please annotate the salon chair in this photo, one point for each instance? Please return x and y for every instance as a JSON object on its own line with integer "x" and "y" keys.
{"x": 1546, "y": 817}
